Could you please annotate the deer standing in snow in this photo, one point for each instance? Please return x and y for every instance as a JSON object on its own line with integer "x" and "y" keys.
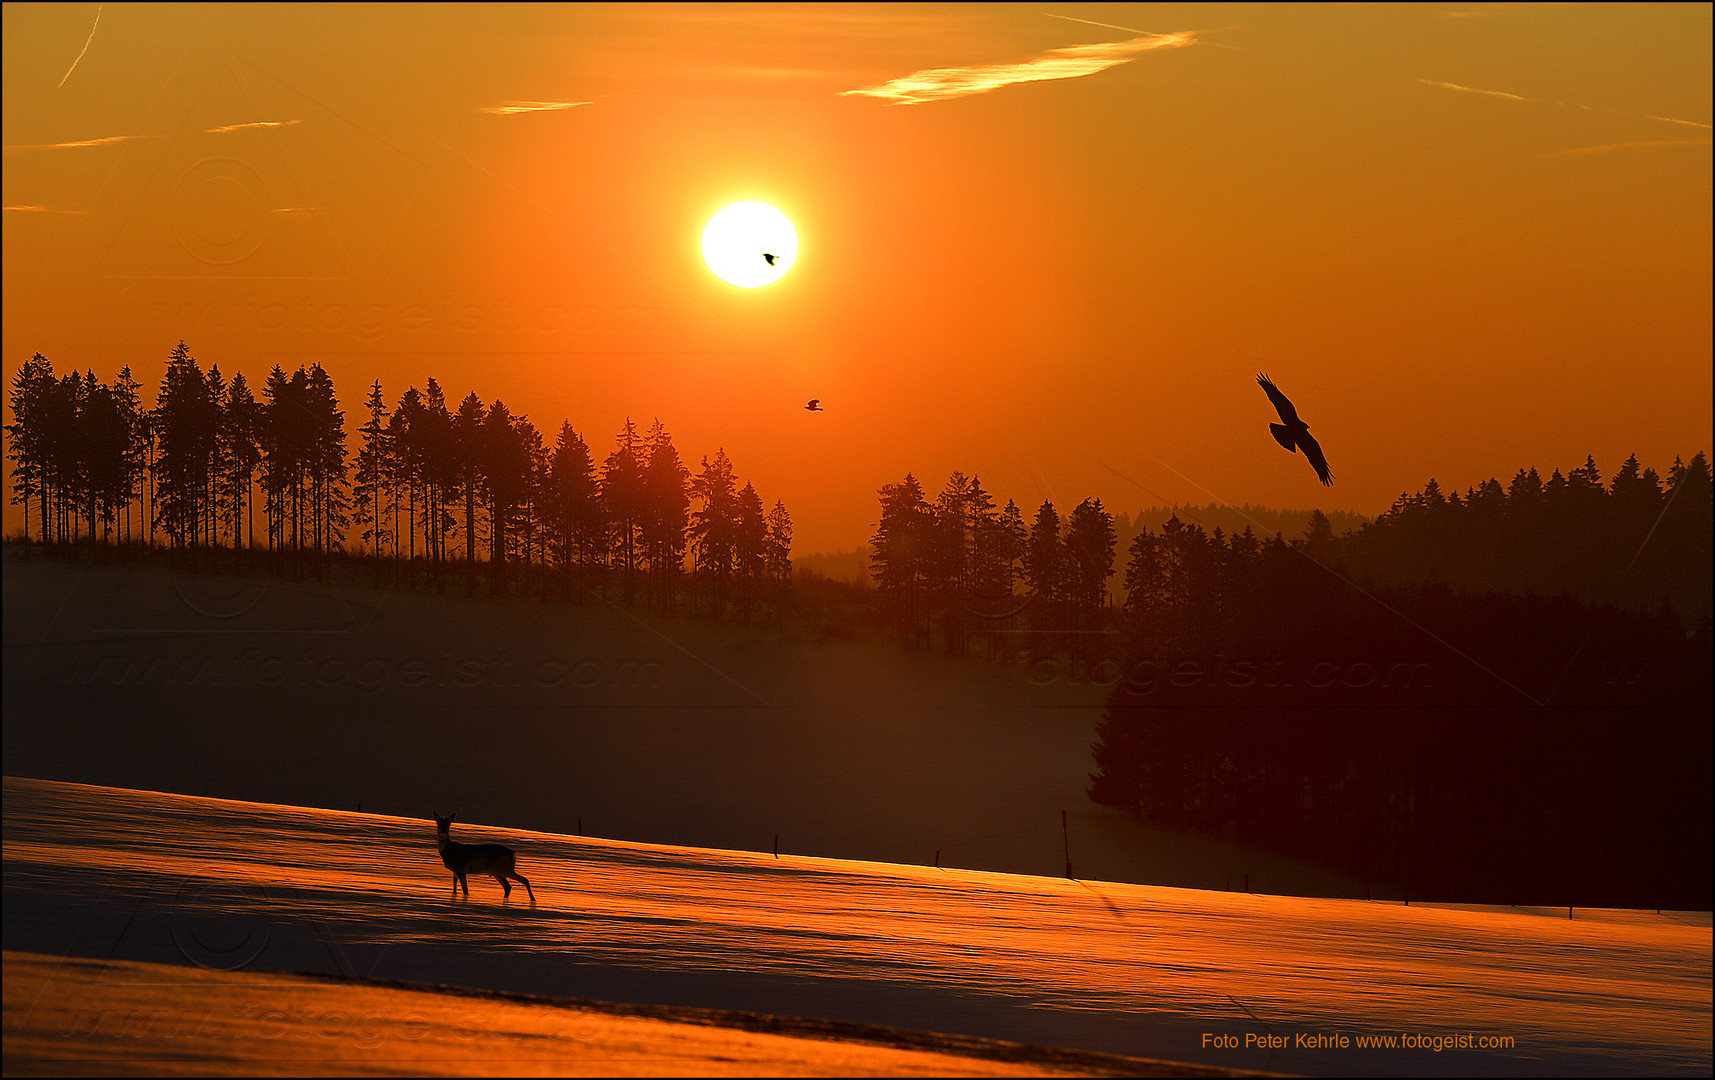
{"x": 493, "y": 859}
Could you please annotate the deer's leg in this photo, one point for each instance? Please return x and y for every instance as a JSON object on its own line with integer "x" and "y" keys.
{"x": 505, "y": 886}
{"x": 520, "y": 877}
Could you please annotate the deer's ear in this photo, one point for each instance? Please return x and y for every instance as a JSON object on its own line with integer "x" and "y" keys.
{"x": 450, "y": 817}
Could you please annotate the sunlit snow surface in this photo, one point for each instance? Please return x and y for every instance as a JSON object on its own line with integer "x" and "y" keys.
{"x": 1133, "y": 969}
{"x": 71, "y": 1017}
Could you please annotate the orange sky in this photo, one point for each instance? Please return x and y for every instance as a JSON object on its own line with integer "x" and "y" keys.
{"x": 1460, "y": 238}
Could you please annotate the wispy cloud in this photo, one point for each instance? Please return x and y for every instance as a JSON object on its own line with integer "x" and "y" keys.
{"x": 1671, "y": 120}
{"x": 75, "y": 145}
{"x": 296, "y": 210}
{"x": 85, "y": 48}
{"x": 1072, "y": 62}
{"x": 512, "y": 108}
{"x": 1561, "y": 104}
{"x": 43, "y": 210}
{"x": 1489, "y": 93}
{"x": 1629, "y": 146}
{"x": 252, "y": 124}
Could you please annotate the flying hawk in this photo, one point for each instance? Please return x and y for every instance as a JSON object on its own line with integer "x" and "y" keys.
{"x": 1293, "y": 433}
{"x": 769, "y": 257}
{"x": 815, "y": 405}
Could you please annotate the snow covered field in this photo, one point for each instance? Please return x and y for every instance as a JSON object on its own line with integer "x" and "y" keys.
{"x": 81, "y": 1017}
{"x": 1130, "y": 969}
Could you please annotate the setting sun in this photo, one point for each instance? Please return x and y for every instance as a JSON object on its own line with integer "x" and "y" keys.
{"x": 750, "y": 244}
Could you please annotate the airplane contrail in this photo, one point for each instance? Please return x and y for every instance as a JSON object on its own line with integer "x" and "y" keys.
{"x": 1562, "y": 104}
{"x": 1645, "y": 145}
{"x": 1090, "y": 22}
{"x": 85, "y": 48}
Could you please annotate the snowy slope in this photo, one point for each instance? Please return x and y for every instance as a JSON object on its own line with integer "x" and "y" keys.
{"x": 1121, "y": 968}
{"x": 66, "y": 1017}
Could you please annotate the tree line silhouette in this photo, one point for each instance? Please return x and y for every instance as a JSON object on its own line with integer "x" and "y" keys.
{"x": 430, "y": 491}
{"x": 1488, "y": 697}
{"x": 950, "y": 570}
{"x": 1511, "y": 747}
{"x": 956, "y": 571}
{"x": 1641, "y": 541}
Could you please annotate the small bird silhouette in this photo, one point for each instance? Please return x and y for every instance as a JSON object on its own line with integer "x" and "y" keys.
{"x": 815, "y": 405}
{"x": 769, "y": 257}
{"x": 1294, "y": 434}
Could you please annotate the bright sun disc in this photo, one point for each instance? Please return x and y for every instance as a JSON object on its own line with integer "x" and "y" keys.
{"x": 738, "y": 241}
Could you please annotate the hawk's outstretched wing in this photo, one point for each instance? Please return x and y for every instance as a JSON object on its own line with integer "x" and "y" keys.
{"x": 1313, "y": 451}
{"x": 1281, "y": 405}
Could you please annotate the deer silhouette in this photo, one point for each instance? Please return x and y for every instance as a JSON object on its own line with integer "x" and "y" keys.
{"x": 496, "y": 860}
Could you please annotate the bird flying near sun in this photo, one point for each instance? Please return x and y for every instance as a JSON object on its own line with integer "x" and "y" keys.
{"x": 750, "y": 244}
{"x": 815, "y": 405}
{"x": 1293, "y": 433}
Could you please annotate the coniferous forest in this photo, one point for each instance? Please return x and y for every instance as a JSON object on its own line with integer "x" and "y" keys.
{"x": 1502, "y": 695}
{"x": 431, "y": 494}
{"x": 1340, "y": 699}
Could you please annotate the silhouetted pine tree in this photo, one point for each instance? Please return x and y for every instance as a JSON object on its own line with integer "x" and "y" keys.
{"x": 328, "y": 470}
{"x": 106, "y": 442}
{"x": 65, "y": 456}
{"x": 505, "y": 473}
{"x": 442, "y": 466}
{"x": 527, "y": 515}
{"x": 666, "y": 514}
{"x": 948, "y": 571}
{"x": 900, "y": 556}
{"x": 187, "y": 425}
{"x": 572, "y": 510}
{"x": 31, "y": 388}
{"x": 282, "y": 444}
{"x": 467, "y": 444}
{"x": 1012, "y": 540}
{"x": 750, "y": 550}
{"x": 372, "y": 494}
{"x": 240, "y": 433}
{"x": 778, "y": 559}
{"x": 127, "y": 399}
{"x": 1045, "y": 569}
{"x": 216, "y": 497}
{"x": 410, "y": 476}
{"x": 714, "y": 527}
{"x": 1089, "y": 562}
{"x": 623, "y": 500}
